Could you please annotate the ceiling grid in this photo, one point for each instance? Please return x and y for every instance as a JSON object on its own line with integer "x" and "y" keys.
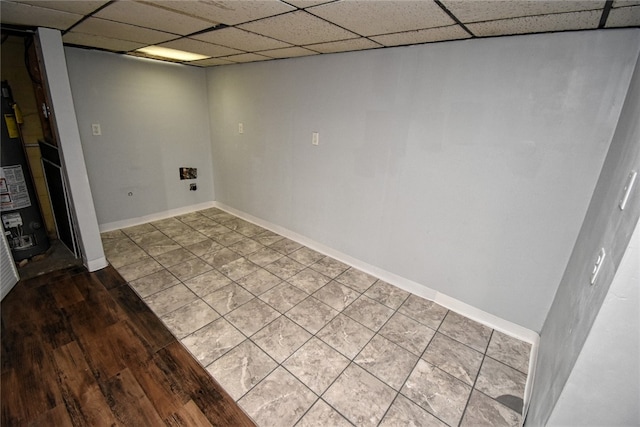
{"x": 239, "y": 31}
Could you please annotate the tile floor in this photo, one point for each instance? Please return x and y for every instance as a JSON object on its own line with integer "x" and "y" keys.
{"x": 299, "y": 338}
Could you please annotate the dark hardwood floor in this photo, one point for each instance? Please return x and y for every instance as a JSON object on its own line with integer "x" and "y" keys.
{"x": 82, "y": 349}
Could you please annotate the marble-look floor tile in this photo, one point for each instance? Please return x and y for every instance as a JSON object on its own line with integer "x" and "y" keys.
{"x": 174, "y": 257}
{"x": 283, "y": 297}
{"x": 212, "y": 341}
{"x": 285, "y": 246}
{"x": 281, "y": 338}
{"x": 284, "y": 267}
{"x": 356, "y": 279}
{"x": 204, "y": 247}
{"x": 305, "y": 256}
{"x": 238, "y": 269}
{"x": 139, "y": 269}
{"x": 484, "y": 411}
{"x": 387, "y": 361}
{"x": 279, "y": 400}
{"x": 329, "y": 267}
{"x": 148, "y": 238}
{"x": 189, "y": 238}
{"x": 323, "y": 415}
{"x": 191, "y": 216}
{"x": 336, "y": 295}
{"x": 208, "y": 282}
{"x": 259, "y": 282}
{"x": 229, "y": 238}
{"x": 189, "y": 269}
{"x": 345, "y": 335}
{"x": 510, "y": 351}
{"x": 154, "y": 282}
{"x": 387, "y": 294}
{"x": 502, "y": 382}
{"x": 424, "y": 311}
{"x": 113, "y": 234}
{"x": 220, "y": 258}
{"x": 189, "y": 318}
{"x": 370, "y": 313}
{"x": 264, "y": 256}
{"x": 138, "y": 230}
{"x": 454, "y": 358}
{"x": 309, "y": 280}
{"x": 466, "y": 331}
{"x": 312, "y": 314}
{"x": 246, "y": 246}
{"x": 359, "y": 396}
{"x": 124, "y": 252}
{"x": 175, "y": 229}
{"x": 438, "y": 392}
{"x": 267, "y": 238}
{"x": 317, "y": 365}
{"x": 221, "y": 217}
{"x": 252, "y": 316}
{"x": 166, "y": 223}
{"x": 228, "y": 298}
{"x": 170, "y": 299}
{"x": 214, "y": 231}
{"x": 407, "y": 333}
{"x": 404, "y": 412}
{"x": 241, "y": 368}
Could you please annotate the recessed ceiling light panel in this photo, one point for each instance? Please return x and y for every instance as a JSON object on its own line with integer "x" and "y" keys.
{"x": 164, "y": 52}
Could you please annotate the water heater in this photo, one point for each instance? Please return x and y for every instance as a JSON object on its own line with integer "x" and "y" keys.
{"x": 19, "y": 210}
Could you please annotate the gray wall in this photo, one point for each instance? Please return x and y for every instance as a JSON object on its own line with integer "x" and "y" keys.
{"x": 576, "y": 303}
{"x": 154, "y": 119}
{"x": 604, "y": 385}
{"x": 464, "y": 166}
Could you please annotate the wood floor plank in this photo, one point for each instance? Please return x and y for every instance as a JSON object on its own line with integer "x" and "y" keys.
{"x": 96, "y": 355}
{"x": 143, "y": 319}
{"x": 212, "y": 400}
{"x": 129, "y": 403}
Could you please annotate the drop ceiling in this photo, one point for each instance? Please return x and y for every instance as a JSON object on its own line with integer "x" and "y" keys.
{"x": 237, "y": 31}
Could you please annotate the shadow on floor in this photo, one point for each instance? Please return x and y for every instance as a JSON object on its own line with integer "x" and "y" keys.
{"x": 57, "y": 257}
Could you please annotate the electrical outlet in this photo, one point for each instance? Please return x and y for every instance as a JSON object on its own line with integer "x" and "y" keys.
{"x": 315, "y": 138}
{"x": 95, "y": 129}
{"x": 598, "y": 265}
{"x": 193, "y": 187}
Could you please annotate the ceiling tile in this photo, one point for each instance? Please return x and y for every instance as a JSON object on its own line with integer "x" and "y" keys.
{"x": 299, "y": 28}
{"x": 240, "y": 39}
{"x": 624, "y": 17}
{"x": 370, "y": 18}
{"x": 91, "y": 40}
{"x": 84, "y": 7}
{"x": 197, "y": 46}
{"x": 210, "y": 62}
{"x": 118, "y": 30}
{"x": 537, "y": 24}
{"x": 25, "y": 14}
{"x": 144, "y": 15}
{"x": 247, "y": 57}
{"x": 451, "y": 32}
{"x": 344, "y": 46}
{"x": 229, "y": 12}
{"x": 489, "y": 10}
{"x": 288, "y": 52}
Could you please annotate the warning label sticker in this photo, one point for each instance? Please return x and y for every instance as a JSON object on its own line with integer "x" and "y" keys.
{"x": 13, "y": 189}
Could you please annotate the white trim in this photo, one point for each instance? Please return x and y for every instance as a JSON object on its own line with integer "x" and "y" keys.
{"x": 9, "y": 272}
{"x": 109, "y": 226}
{"x": 453, "y": 304}
{"x": 96, "y": 264}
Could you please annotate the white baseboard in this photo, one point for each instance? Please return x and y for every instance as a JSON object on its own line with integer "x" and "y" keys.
{"x": 109, "y": 226}
{"x": 95, "y": 264}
